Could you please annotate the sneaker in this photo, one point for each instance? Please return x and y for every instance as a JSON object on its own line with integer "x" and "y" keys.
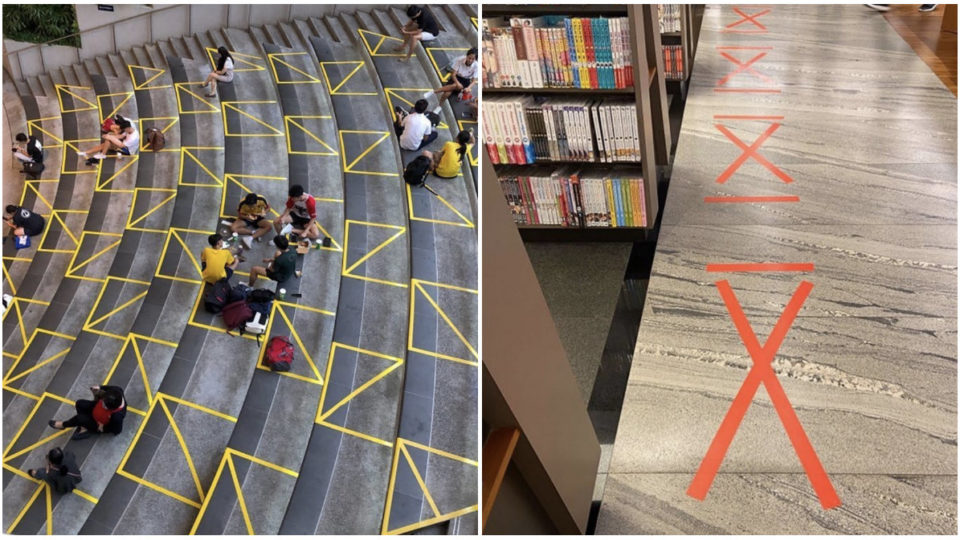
{"x": 99, "y": 156}
{"x": 82, "y": 154}
{"x": 928, "y": 7}
{"x": 879, "y": 7}
{"x": 7, "y": 300}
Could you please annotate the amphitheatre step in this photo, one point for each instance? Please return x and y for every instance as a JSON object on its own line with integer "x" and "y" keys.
{"x": 34, "y": 275}
{"x": 271, "y": 435}
{"x": 61, "y": 368}
{"x": 361, "y": 394}
{"x": 438, "y": 417}
{"x": 168, "y": 317}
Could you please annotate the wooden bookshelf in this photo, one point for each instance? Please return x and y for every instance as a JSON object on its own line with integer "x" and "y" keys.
{"x": 650, "y": 95}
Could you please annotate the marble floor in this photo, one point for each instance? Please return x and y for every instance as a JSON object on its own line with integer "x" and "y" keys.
{"x": 856, "y": 162}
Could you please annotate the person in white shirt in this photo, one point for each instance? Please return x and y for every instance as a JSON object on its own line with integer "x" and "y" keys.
{"x": 414, "y": 129}
{"x": 223, "y": 73}
{"x": 464, "y": 70}
{"x": 124, "y": 139}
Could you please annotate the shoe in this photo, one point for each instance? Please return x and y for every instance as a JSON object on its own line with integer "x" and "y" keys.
{"x": 210, "y": 95}
{"x": 53, "y": 424}
{"x": 82, "y": 154}
{"x": 427, "y": 94}
{"x": 927, "y": 7}
{"x": 879, "y": 7}
{"x": 7, "y": 300}
{"x": 81, "y": 435}
{"x": 91, "y": 162}
{"x": 99, "y": 156}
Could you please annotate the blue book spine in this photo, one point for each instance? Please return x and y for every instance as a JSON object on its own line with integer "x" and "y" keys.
{"x": 617, "y": 202}
{"x": 607, "y": 55}
{"x": 572, "y": 48}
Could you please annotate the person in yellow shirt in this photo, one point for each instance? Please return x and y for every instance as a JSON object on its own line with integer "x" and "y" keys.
{"x": 217, "y": 262}
{"x": 447, "y": 162}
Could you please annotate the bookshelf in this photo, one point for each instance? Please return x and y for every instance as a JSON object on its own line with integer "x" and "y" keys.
{"x": 649, "y": 96}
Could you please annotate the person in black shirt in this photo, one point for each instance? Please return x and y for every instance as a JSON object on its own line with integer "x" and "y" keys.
{"x": 23, "y": 221}
{"x": 28, "y": 150}
{"x": 61, "y": 471}
{"x": 422, "y": 27}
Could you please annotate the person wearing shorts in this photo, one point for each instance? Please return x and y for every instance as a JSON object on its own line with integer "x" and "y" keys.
{"x": 123, "y": 139}
{"x": 223, "y": 73}
{"x": 251, "y": 217}
{"x": 300, "y": 213}
{"x": 281, "y": 267}
{"x": 421, "y": 27}
{"x": 464, "y": 70}
{"x": 23, "y": 221}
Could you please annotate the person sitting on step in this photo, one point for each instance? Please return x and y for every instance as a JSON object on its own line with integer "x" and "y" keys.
{"x": 279, "y": 268}
{"x": 300, "y": 214}
{"x": 415, "y": 129}
{"x": 251, "y": 217}
{"x": 217, "y": 261}
{"x": 27, "y": 149}
{"x": 464, "y": 70}
{"x": 422, "y": 26}
{"x": 223, "y": 73}
{"x": 23, "y": 222}
{"x": 447, "y": 162}
{"x": 104, "y": 414}
{"x": 61, "y": 471}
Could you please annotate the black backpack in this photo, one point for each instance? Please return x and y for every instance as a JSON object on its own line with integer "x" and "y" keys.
{"x": 239, "y": 292}
{"x": 417, "y": 170}
{"x": 217, "y": 297}
{"x": 260, "y": 296}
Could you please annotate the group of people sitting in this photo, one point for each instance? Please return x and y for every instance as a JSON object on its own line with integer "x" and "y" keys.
{"x": 103, "y": 414}
{"x": 299, "y": 218}
{"x": 117, "y": 135}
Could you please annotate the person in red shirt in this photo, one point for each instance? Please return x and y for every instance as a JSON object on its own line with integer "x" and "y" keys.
{"x": 300, "y": 214}
{"x": 104, "y": 415}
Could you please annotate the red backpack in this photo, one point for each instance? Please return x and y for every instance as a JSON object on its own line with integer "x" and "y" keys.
{"x": 279, "y": 354}
{"x": 236, "y": 314}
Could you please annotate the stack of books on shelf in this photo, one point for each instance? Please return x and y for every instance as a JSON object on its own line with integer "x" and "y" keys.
{"x": 673, "y": 64}
{"x": 670, "y": 17}
{"x": 557, "y": 52}
{"x": 521, "y": 130}
{"x": 567, "y": 197}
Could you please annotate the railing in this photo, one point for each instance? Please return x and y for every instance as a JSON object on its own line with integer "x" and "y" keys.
{"x": 134, "y": 30}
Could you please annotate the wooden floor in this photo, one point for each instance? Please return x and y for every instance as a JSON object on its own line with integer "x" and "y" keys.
{"x": 922, "y": 31}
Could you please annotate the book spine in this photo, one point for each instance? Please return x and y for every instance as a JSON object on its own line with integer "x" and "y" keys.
{"x": 643, "y": 204}
{"x": 488, "y": 135}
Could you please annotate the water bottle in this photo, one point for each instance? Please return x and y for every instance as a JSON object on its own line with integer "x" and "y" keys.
{"x": 281, "y": 294}
{"x": 234, "y": 239}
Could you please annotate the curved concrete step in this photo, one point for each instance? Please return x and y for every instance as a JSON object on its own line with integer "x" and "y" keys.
{"x": 276, "y": 420}
{"x": 357, "y": 420}
{"x": 81, "y": 312}
{"x": 438, "y": 416}
{"x": 35, "y": 275}
{"x": 178, "y": 382}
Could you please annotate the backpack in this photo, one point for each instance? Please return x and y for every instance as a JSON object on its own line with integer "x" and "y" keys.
{"x": 238, "y": 292}
{"x": 236, "y": 315}
{"x": 416, "y": 171}
{"x": 217, "y": 297}
{"x": 260, "y": 296}
{"x": 156, "y": 140}
{"x": 33, "y": 170}
{"x": 279, "y": 354}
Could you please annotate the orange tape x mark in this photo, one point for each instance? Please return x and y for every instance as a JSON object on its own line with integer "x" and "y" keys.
{"x": 762, "y": 372}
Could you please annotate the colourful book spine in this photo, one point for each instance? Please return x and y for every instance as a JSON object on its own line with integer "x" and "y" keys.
{"x": 643, "y": 204}
{"x": 571, "y": 51}
{"x": 607, "y": 184}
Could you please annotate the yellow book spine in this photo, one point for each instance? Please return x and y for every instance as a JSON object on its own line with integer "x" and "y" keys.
{"x": 581, "y": 53}
{"x": 610, "y": 204}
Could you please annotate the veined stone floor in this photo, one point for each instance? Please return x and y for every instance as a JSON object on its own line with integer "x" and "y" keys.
{"x": 866, "y": 135}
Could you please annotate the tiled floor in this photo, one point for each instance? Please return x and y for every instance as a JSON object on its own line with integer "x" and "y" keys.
{"x": 865, "y": 153}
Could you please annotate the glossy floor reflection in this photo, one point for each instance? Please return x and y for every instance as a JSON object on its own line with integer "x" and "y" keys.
{"x": 865, "y": 148}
